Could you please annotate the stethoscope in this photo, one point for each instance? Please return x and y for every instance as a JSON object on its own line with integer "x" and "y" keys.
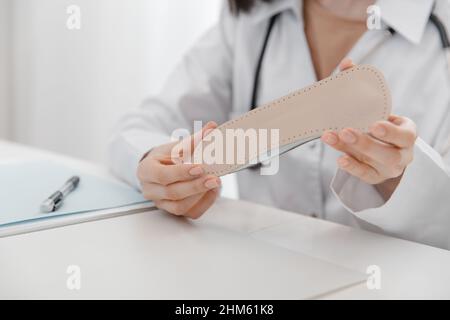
{"x": 391, "y": 32}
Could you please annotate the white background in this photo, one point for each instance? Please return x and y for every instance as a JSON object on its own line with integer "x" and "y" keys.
{"x": 63, "y": 90}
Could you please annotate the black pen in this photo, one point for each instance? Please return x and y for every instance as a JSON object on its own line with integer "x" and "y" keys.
{"x": 55, "y": 201}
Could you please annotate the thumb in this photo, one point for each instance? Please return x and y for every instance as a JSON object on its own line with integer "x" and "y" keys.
{"x": 182, "y": 151}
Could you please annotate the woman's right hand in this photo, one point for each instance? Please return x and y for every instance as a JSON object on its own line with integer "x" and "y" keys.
{"x": 178, "y": 188}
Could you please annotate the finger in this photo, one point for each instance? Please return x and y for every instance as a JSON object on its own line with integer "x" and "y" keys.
{"x": 369, "y": 147}
{"x": 179, "y": 207}
{"x": 345, "y": 64}
{"x": 153, "y": 171}
{"x": 204, "y": 204}
{"x": 399, "y": 131}
{"x": 182, "y": 151}
{"x": 386, "y": 159}
{"x": 181, "y": 190}
{"x": 360, "y": 170}
{"x": 198, "y": 136}
{"x": 333, "y": 140}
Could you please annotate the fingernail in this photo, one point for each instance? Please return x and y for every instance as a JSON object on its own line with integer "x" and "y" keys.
{"x": 348, "y": 137}
{"x": 330, "y": 139}
{"x": 211, "y": 123}
{"x": 212, "y": 184}
{"x": 343, "y": 162}
{"x": 196, "y": 171}
{"x": 379, "y": 131}
{"x": 207, "y": 132}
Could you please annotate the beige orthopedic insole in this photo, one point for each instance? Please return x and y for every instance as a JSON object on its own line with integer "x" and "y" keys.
{"x": 354, "y": 98}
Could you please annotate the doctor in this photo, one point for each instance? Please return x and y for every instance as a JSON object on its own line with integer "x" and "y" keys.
{"x": 397, "y": 184}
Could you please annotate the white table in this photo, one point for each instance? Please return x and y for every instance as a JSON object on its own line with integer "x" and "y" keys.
{"x": 408, "y": 270}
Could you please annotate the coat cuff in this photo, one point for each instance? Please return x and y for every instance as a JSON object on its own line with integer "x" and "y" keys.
{"x": 354, "y": 194}
{"x": 417, "y": 210}
{"x": 127, "y": 150}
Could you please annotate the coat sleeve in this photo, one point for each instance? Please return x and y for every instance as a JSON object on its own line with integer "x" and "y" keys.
{"x": 199, "y": 89}
{"x": 419, "y": 208}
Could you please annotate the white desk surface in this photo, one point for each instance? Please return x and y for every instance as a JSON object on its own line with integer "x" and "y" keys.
{"x": 408, "y": 270}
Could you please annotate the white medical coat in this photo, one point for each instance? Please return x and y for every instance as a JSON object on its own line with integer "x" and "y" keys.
{"x": 214, "y": 82}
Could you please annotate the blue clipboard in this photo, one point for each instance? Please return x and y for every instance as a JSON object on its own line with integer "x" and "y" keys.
{"x": 25, "y": 185}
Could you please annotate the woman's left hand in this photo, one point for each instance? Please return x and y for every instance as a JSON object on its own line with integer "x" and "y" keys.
{"x": 380, "y": 156}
